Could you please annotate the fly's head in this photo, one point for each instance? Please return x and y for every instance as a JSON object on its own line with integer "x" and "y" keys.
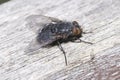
{"x": 77, "y": 30}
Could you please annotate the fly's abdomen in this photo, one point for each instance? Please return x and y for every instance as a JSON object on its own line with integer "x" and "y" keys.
{"x": 45, "y": 38}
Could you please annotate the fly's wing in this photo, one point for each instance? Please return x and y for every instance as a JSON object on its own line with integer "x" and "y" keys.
{"x": 37, "y": 22}
{"x": 44, "y": 39}
{"x": 33, "y": 46}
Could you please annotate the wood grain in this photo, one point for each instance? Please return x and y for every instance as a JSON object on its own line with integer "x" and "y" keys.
{"x": 100, "y": 61}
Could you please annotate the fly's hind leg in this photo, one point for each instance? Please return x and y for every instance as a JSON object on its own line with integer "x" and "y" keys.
{"x": 61, "y": 48}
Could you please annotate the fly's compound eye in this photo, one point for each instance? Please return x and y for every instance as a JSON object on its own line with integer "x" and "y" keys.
{"x": 75, "y": 23}
{"x": 54, "y": 30}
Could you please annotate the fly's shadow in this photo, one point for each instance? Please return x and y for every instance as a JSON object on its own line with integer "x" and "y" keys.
{"x": 52, "y": 31}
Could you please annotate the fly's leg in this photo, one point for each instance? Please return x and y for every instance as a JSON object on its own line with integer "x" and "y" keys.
{"x": 84, "y": 41}
{"x": 86, "y": 32}
{"x": 80, "y": 41}
{"x": 61, "y": 48}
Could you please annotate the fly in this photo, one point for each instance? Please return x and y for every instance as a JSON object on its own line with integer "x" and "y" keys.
{"x": 52, "y": 31}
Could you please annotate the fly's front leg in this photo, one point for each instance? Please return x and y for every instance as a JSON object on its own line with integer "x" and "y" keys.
{"x": 84, "y": 41}
{"x": 78, "y": 40}
{"x": 73, "y": 39}
{"x": 86, "y": 32}
{"x": 61, "y": 48}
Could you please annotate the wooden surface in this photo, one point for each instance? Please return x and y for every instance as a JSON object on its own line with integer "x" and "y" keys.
{"x": 100, "y": 61}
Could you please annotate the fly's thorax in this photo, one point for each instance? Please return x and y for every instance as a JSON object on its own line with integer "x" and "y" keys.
{"x": 61, "y": 28}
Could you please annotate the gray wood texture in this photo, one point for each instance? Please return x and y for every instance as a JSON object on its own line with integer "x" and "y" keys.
{"x": 100, "y": 61}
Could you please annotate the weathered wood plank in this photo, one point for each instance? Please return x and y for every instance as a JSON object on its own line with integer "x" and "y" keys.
{"x": 102, "y": 17}
{"x": 105, "y": 66}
